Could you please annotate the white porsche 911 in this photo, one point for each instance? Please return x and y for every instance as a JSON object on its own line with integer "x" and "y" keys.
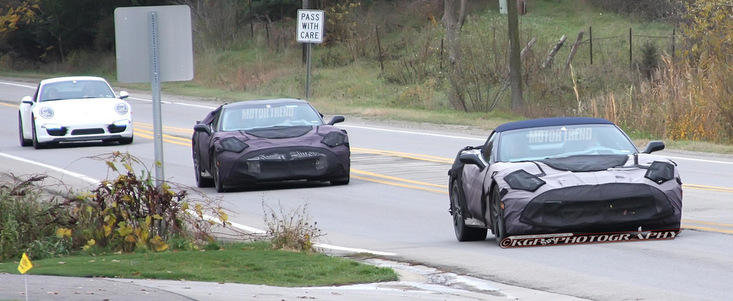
{"x": 80, "y": 108}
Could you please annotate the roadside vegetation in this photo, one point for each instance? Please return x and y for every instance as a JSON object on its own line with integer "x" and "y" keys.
{"x": 405, "y": 60}
{"x": 128, "y": 227}
{"x": 251, "y": 263}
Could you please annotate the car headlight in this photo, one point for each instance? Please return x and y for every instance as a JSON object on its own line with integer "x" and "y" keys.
{"x": 523, "y": 180}
{"x": 45, "y": 112}
{"x": 121, "y": 108}
{"x": 660, "y": 172}
{"x": 231, "y": 144}
{"x": 334, "y": 139}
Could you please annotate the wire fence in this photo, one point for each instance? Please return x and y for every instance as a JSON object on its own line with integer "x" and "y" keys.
{"x": 632, "y": 39}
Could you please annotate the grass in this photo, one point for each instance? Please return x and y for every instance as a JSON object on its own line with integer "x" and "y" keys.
{"x": 251, "y": 263}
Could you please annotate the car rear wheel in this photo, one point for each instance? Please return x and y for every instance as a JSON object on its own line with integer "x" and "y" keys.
{"x": 23, "y": 141}
{"x": 463, "y": 232}
{"x": 201, "y": 181}
{"x": 218, "y": 183}
{"x": 497, "y": 217}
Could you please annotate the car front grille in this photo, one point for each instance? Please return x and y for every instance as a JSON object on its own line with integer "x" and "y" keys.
{"x": 87, "y": 131}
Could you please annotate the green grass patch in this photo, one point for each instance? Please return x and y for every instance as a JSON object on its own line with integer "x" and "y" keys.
{"x": 251, "y": 263}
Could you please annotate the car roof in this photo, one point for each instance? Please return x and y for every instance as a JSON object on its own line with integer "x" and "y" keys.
{"x": 555, "y": 121}
{"x": 70, "y": 78}
{"x": 248, "y": 103}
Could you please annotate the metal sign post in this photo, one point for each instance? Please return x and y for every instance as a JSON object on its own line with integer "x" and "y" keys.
{"x": 310, "y": 31}
{"x": 155, "y": 86}
{"x": 154, "y": 44}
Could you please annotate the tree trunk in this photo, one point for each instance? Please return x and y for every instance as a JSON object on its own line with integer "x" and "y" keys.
{"x": 453, "y": 21}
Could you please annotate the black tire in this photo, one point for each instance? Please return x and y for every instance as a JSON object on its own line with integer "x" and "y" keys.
{"x": 463, "y": 232}
{"x": 341, "y": 180}
{"x": 36, "y": 144}
{"x": 23, "y": 141}
{"x": 125, "y": 141}
{"x": 498, "y": 227}
{"x": 218, "y": 183}
{"x": 201, "y": 181}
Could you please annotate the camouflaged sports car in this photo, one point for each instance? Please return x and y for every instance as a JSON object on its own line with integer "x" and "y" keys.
{"x": 268, "y": 140}
{"x": 556, "y": 175}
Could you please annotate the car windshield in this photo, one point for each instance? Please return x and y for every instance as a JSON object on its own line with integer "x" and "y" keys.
{"x": 563, "y": 141}
{"x": 269, "y": 115}
{"x": 75, "y": 89}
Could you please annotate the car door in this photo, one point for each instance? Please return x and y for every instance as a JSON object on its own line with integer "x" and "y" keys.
{"x": 473, "y": 180}
{"x": 203, "y": 139}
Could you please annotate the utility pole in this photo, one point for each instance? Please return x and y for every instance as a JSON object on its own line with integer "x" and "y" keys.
{"x": 515, "y": 61}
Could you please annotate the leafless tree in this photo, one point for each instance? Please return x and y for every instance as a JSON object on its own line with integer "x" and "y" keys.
{"x": 454, "y": 16}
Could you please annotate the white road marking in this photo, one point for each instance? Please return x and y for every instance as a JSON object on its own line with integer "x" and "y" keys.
{"x": 693, "y": 159}
{"x": 18, "y": 85}
{"x": 413, "y": 132}
{"x": 236, "y": 225}
{"x": 54, "y": 168}
{"x": 175, "y": 103}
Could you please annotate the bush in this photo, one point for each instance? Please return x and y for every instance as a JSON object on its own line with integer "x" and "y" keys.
{"x": 130, "y": 212}
{"x": 29, "y": 219}
{"x": 291, "y": 230}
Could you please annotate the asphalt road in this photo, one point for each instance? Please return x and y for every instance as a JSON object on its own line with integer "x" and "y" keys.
{"x": 397, "y": 203}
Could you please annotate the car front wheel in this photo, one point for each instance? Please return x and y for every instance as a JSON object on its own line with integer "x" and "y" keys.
{"x": 218, "y": 183}
{"x": 36, "y": 144}
{"x": 497, "y": 217}
{"x": 201, "y": 181}
{"x": 23, "y": 141}
{"x": 463, "y": 232}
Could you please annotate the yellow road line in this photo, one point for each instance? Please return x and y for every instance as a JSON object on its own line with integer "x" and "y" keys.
{"x": 8, "y": 105}
{"x": 399, "y": 184}
{"x": 707, "y": 223}
{"x": 420, "y": 157}
{"x": 166, "y": 136}
{"x": 706, "y": 187}
{"x": 707, "y": 229}
{"x": 368, "y": 173}
{"x": 148, "y": 136}
{"x": 165, "y": 127}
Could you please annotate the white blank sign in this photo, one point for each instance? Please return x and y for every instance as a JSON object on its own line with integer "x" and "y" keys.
{"x": 310, "y": 26}
{"x": 132, "y": 43}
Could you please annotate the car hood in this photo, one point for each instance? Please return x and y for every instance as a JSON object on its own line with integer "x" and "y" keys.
{"x": 86, "y": 110}
{"x": 281, "y": 136}
{"x": 584, "y": 170}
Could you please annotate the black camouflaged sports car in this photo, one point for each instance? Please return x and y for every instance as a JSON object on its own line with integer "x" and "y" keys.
{"x": 556, "y": 175}
{"x": 268, "y": 140}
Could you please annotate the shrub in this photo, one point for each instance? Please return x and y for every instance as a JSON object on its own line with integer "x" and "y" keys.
{"x": 130, "y": 212}
{"x": 29, "y": 219}
{"x": 291, "y": 229}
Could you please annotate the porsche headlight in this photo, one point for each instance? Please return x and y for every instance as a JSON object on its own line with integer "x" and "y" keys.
{"x": 523, "y": 180}
{"x": 334, "y": 139}
{"x": 45, "y": 112}
{"x": 121, "y": 108}
{"x": 232, "y": 144}
{"x": 660, "y": 172}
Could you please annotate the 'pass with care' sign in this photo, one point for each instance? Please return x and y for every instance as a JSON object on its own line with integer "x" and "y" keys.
{"x": 310, "y": 26}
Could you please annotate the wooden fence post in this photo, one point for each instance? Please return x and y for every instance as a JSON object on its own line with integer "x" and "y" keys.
{"x": 553, "y": 52}
{"x": 574, "y": 49}
{"x": 674, "y": 31}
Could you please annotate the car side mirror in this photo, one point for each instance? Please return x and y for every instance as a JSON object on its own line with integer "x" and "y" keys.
{"x": 202, "y": 128}
{"x": 471, "y": 158}
{"x": 124, "y": 94}
{"x": 26, "y": 100}
{"x": 654, "y": 146}
{"x": 336, "y": 119}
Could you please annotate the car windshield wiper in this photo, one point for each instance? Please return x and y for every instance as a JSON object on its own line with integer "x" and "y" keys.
{"x": 52, "y": 99}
